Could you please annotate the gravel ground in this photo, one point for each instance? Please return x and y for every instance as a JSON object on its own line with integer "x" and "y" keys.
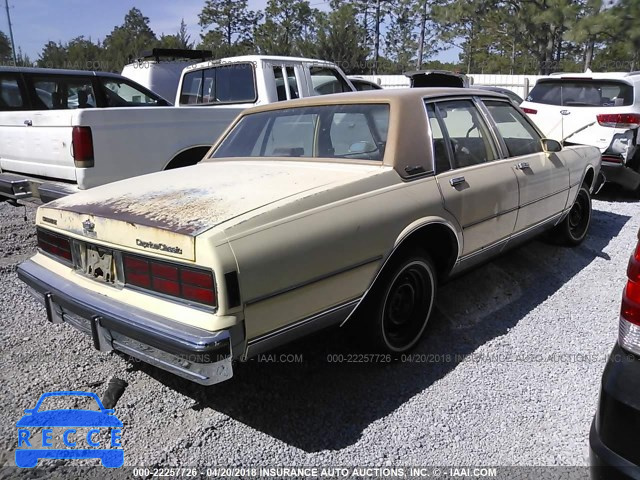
{"x": 486, "y": 386}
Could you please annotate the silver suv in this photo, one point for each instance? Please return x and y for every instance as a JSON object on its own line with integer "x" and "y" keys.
{"x": 598, "y": 109}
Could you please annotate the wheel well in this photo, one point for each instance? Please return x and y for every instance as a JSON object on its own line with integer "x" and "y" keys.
{"x": 438, "y": 241}
{"x": 187, "y": 158}
{"x": 588, "y": 178}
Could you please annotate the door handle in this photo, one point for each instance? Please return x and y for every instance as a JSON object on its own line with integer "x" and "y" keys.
{"x": 456, "y": 181}
{"x": 28, "y": 123}
{"x": 522, "y": 165}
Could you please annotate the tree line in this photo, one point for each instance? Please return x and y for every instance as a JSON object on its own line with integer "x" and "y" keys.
{"x": 384, "y": 36}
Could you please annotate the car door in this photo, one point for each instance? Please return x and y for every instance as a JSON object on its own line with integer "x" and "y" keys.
{"x": 478, "y": 188}
{"x": 543, "y": 178}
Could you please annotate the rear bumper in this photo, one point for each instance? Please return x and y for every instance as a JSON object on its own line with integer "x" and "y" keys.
{"x": 198, "y": 355}
{"x": 18, "y": 187}
{"x": 621, "y": 174}
{"x": 613, "y": 443}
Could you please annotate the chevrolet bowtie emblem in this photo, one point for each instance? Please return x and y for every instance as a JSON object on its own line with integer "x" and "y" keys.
{"x": 88, "y": 227}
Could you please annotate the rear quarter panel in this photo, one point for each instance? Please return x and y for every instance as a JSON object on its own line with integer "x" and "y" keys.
{"x": 327, "y": 254}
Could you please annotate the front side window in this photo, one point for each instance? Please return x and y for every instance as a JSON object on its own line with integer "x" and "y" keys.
{"x": 582, "y": 93}
{"x": 10, "y": 95}
{"x": 326, "y": 80}
{"x": 123, "y": 94}
{"x": 63, "y": 93}
{"x": 224, "y": 84}
{"x": 518, "y": 134}
{"x": 356, "y": 132}
{"x": 468, "y": 134}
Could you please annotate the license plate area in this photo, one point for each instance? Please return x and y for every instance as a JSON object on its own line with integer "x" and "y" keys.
{"x": 98, "y": 263}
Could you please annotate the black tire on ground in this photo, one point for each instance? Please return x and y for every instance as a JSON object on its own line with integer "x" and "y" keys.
{"x": 401, "y": 303}
{"x": 574, "y": 227}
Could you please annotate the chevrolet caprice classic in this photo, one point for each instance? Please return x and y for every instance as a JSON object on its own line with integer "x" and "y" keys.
{"x": 342, "y": 209}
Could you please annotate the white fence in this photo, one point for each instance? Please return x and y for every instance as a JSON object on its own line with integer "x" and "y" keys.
{"x": 520, "y": 84}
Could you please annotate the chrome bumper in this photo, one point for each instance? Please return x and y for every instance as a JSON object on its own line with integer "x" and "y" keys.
{"x": 198, "y": 355}
{"x": 17, "y": 187}
{"x": 621, "y": 174}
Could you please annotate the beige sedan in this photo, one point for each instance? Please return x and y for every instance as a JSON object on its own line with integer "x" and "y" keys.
{"x": 347, "y": 208}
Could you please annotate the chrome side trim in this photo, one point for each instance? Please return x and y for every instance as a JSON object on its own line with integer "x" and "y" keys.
{"x": 306, "y": 326}
{"x": 313, "y": 280}
{"x": 477, "y": 222}
{"x": 513, "y": 236}
{"x": 558, "y": 192}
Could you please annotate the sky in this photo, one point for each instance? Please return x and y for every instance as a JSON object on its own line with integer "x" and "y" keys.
{"x": 35, "y": 22}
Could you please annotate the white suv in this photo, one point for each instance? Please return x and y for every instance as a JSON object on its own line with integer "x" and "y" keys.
{"x": 599, "y": 109}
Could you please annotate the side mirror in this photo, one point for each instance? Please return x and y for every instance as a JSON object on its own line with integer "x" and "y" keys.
{"x": 549, "y": 145}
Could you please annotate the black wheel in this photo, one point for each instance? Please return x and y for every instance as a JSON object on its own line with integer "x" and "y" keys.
{"x": 573, "y": 229}
{"x": 403, "y": 303}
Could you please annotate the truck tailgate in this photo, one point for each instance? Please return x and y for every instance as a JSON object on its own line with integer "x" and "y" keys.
{"x": 37, "y": 143}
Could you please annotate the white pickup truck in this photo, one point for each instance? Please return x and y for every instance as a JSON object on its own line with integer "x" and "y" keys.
{"x": 62, "y": 131}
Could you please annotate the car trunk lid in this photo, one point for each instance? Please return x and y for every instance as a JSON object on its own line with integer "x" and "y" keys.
{"x": 164, "y": 212}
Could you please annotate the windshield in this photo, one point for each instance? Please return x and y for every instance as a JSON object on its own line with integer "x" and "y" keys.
{"x": 326, "y": 131}
{"x": 582, "y": 93}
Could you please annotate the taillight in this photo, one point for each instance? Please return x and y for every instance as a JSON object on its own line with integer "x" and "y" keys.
{"x": 619, "y": 120}
{"x": 82, "y": 147}
{"x": 629, "y": 335}
{"x": 530, "y": 111}
{"x": 174, "y": 280}
{"x": 54, "y": 244}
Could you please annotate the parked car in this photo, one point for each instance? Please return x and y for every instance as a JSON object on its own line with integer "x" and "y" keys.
{"x": 79, "y": 141}
{"x": 446, "y": 78}
{"x": 599, "y": 109}
{"x": 160, "y": 69}
{"x": 307, "y": 214}
{"x": 514, "y": 97}
{"x": 613, "y": 446}
{"x": 361, "y": 84}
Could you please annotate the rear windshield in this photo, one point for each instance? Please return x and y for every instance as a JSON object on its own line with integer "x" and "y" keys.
{"x": 327, "y": 131}
{"x": 582, "y": 93}
{"x": 226, "y": 84}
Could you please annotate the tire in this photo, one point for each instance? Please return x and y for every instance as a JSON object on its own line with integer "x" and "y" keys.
{"x": 402, "y": 303}
{"x": 574, "y": 227}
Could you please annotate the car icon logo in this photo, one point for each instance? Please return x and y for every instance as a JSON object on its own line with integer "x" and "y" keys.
{"x": 565, "y": 112}
{"x": 79, "y": 431}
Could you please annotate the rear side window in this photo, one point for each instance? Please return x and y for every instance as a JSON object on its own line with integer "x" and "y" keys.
{"x": 59, "y": 92}
{"x": 582, "y": 93}
{"x": 440, "y": 150}
{"x": 224, "y": 84}
{"x": 11, "y": 97}
{"x": 518, "y": 134}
